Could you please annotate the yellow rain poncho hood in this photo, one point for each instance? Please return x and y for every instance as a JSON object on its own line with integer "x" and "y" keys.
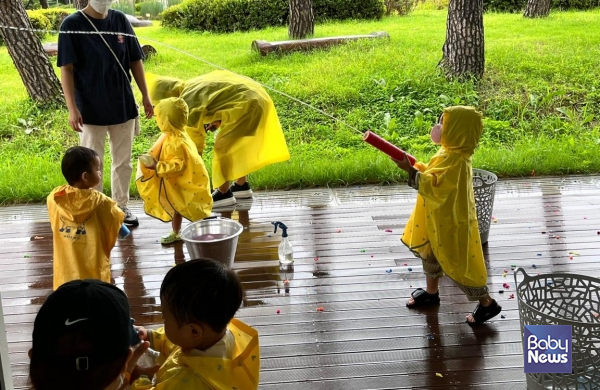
{"x": 85, "y": 225}
{"x": 184, "y": 371}
{"x": 250, "y": 136}
{"x": 444, "y": 221}
{"x": 180, "y": 181}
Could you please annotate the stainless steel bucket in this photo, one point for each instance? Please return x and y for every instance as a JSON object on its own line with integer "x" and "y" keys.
{"x": 215, "y": 238}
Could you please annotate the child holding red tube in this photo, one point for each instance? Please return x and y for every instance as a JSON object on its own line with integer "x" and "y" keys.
{"x": 442, "y": 229}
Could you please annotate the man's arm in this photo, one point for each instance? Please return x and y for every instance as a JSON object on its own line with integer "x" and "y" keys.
{"x": 137, "y": 69}
{"x": 68, "y": 86}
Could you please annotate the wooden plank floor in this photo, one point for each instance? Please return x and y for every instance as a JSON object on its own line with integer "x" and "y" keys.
{"x": 346, "y": 241}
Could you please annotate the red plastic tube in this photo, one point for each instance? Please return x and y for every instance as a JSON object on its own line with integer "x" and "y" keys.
{"x": 386, "y": 147}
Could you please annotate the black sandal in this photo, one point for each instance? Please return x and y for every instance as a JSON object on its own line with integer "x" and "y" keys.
{"x": 482, "y": 313}
{"x": 422, "y": 298}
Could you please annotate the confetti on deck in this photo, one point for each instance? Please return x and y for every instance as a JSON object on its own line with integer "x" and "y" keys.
{"x": 405, "y": 264}
{"x": 596, "y": 315}
{"x": 362, "y": 251}
{"x": 539, "y": 254}
{"x": 389, "y": 271}
{"x": 504, "y": 274}
{"x": 38, "y": 238}
{"x": 278, "y": 311}
{"x": 502, "y": 316}
{"x": 570, "y": 257}
{"x": 500, "y": 291}
{"x": 410, "y": 269}
{"x": 339, "y": 230}
{"x": 317, "y": 258}
{"x": 574, "y": 253}
{"x": 27, "y": 256}
{"x": 512, "y": 296}
{"x": 320, "y": 309}
{"x": 439, "y": 375}
{"x": 534, "y": 266}
{"x": 388, "y": 230}
{"x": 506, "y": 286}
{"x": 430, "y": 337}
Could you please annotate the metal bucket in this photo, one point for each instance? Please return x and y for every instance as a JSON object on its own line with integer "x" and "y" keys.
{"x": 215, "y": 238}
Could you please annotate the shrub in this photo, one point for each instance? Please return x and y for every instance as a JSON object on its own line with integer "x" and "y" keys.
{"x": 152, "y": 8}
{"x": 244, "y": 15}
{"x": 399, "y": 7}
{"x": 55, "y": 16}
{"x": 125, "y": 6}
{"x": 39, "y": 21}
{"x": 513, "y": 6}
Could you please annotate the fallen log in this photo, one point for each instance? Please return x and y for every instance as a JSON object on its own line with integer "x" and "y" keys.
{"x": 264, "y": 47}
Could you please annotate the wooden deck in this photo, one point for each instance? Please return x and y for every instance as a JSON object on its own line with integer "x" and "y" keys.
{"x": 346, "y": 242}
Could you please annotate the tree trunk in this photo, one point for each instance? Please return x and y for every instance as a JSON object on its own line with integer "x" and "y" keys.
{"x": 302, "y": 19}
{"x": 537, "y": 8}
{"x": 81, "y": 4}
{"x": 28, "y": 55}
{"x": 463, "y": 51}
{"x": 44, "y": 4}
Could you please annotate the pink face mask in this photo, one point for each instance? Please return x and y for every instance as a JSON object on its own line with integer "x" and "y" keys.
{"x": 436, "y": 134}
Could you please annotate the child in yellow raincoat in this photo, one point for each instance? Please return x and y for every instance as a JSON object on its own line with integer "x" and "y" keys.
{"x": 442, "y": 229}
{"x": 202, "y": 346}
{"x": 85, "y": 223}
{"x": 175, "y": 184}
{"x": 250, "y": 135}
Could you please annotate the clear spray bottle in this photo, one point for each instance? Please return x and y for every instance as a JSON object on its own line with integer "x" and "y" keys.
{"x": 286, "y": 252}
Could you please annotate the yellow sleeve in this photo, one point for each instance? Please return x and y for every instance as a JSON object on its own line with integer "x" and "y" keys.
{"x": 172, "y": 159}
{"x": 142, "y": 383}
{"x": 159, "y": 342}
{"x": 437, "y": 186}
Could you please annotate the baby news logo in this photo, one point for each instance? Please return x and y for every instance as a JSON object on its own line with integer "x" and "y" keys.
{"x": 548, "y": 349}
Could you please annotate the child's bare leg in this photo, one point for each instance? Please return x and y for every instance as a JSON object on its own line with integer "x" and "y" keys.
{"x": 176, "y": 222}
{"x": 432, "y": 287}
{"x": 241, "y": 181}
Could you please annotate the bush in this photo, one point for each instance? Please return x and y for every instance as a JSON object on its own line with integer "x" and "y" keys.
{"x": 244, "y": 15}
{"x": 55, "y": 16}
{"x": 399, "y": 7}
{"x": 125, "y": 6}
{"x": 514, "y": 6}
{"x": 152, "y": 8}
{"x": 39, "y": 21}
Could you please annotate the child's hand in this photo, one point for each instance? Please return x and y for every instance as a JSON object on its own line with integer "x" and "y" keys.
{"x": 142, "y": 333}
{"x": 403, "y": 164}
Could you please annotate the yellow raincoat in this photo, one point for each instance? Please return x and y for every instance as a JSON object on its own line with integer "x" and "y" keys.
{"x": 85, "y": 225}
{"x": 444, "y": 221}
{"x": 180, "y": 181}
{"x": 250, "y": 136}
{"x": 183, "y": 371}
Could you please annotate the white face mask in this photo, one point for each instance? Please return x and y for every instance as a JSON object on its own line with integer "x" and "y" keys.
{"x": 101, "y": 6}
{"x": 436, "y": 134}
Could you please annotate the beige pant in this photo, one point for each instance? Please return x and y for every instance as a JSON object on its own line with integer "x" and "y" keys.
{"x": 120, "y": 138}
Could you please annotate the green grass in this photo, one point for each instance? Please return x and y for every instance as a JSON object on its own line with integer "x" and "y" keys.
{"x": 540, "y": 96}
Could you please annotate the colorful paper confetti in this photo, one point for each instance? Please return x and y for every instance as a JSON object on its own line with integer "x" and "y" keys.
{"x": 534, "y": 266}
{"x": 502, "y": 316}
{"x": 439, "y": 375}
{"x": 278, "y": 311}
{"x": 362, "y": 251}
{"x": 512, "y": 296}
{"x": 430, "y": 337}
{"x": 388, "y": 230}
{"x": 389, "y": 271}
{"x": 410, "y": 269}
{"x": 317, "y": 258}
{"x": 320, "y": 308}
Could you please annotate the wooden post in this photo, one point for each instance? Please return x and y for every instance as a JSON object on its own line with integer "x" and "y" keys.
{"x": 264, "y": 47}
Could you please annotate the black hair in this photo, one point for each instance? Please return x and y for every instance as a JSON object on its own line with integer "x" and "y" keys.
{"x": 76, "y": 161}
{"x": 202, "y": 291}
{"x": 52, "y": 373}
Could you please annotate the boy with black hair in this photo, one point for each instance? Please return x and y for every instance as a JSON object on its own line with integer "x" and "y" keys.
{"x": 85, "y": 223}
{"x": 204, "y": 346}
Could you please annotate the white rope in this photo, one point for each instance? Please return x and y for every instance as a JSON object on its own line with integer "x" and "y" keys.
{"x": 191, "y": 56}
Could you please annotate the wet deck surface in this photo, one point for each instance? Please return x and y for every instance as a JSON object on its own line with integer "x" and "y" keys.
{"x": 346, "y": 241}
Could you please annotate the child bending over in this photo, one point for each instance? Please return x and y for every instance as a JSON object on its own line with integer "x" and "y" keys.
{"x": 442, "y": 229}
{"x": 175, "y": 183}
{"x": 204, "y": 346}
{"x": 85, "y": 223}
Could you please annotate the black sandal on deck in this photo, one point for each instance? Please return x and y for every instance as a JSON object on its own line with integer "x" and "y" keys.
{"x": 422, "y": 298}
{"x": 482, "y": 313}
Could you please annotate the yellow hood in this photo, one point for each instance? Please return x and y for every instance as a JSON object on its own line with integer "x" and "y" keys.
{"x": 74, "y": 204}
{"x": 462, "y": 129}
{"x": 171, "y": 115}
